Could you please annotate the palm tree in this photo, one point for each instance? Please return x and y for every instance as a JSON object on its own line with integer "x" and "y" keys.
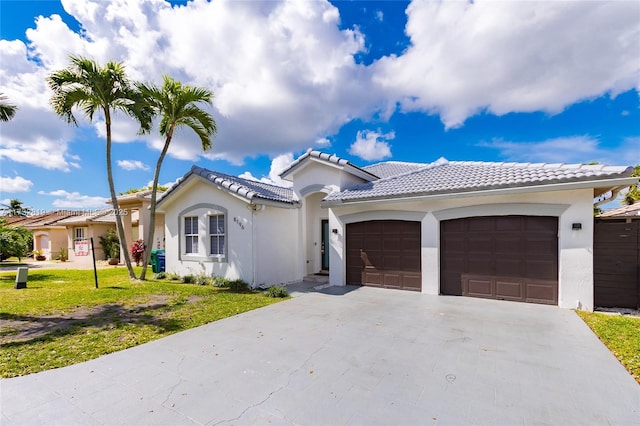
{"x": 103, "y": 89}
{"x": 7, "y": 110}
{"x": 633, "y": 195}
{"x": 15, "y": 208}
{"x": 177, "y": 106}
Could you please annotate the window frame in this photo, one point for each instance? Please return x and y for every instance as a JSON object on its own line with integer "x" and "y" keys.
{"x": 193, "y": 236}
{"x": 217, "y": 235}
{"x": 202, "y": 211}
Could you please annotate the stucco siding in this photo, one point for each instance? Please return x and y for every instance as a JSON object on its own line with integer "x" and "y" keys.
{"x": 277, "y": 246}
{"x": 199, "y": 199}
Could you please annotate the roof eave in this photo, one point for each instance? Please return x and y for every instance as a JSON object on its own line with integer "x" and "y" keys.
{"x": 600, "y": 183}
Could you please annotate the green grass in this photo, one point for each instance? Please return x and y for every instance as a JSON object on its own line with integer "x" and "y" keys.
{"x": 118, "y": 315}
{"x": 621, "y": 334}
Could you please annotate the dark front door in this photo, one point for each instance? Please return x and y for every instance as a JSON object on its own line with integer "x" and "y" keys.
{"x": 500, "y": 257}
{"x": 324, "y": 248}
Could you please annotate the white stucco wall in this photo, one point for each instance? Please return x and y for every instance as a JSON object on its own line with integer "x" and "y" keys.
{"x": 255, "y": 257}
{"x": 277, "y": 246}
{"x": 575, "y": 248}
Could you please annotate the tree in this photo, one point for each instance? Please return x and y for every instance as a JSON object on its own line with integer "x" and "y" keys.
{"x": 7, "y": 110}
{"x": 177, "y": 106}
{"x": 633, "y": 195}
{"x": 92, "y": 88}
{"x": 15, "y": 208}
{"x": 14, "y": 241}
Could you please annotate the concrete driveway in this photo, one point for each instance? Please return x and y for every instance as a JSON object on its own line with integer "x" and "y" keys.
{"x": 366, "y": 357}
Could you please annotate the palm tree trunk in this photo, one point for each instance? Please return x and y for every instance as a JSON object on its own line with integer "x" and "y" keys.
{"x": 114, "y": 199}
{"x": 152, "y": 208}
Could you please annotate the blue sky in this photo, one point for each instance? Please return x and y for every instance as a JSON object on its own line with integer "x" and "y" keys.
{"x": 367, "y": 80}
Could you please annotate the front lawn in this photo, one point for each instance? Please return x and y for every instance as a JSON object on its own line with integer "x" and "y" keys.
{"x": 621, "y": 334}
{"x": 62, "y": 319}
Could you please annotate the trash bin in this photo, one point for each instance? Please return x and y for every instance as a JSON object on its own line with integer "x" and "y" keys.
{"x": 161, "y": 261}
{"x": 154, "y": 260}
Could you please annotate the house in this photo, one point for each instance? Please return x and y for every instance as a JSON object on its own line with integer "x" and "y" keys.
{"x": 513, "y": 231}
{"x": 49, "y": 234}
{"x": 624, "y": 213}
{"x": 81, "y": 228}
{"x": 134, "y": 209}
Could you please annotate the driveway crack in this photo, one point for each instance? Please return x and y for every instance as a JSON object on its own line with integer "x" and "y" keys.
{"x": 275, "y": 391}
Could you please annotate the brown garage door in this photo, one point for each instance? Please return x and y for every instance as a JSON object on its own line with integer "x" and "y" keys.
{"x": 384, "y": 253}
{"x": 500, "y": 257}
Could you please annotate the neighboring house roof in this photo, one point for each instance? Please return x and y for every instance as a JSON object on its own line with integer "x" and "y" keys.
{"x": 329, "y": 159}
{"x": 103, "y": 216}
{"x": 42, "y": 220}
{"x": 452, "y": 177}
{"x": 253, "y": 191}
{"x": 625, "y": 211}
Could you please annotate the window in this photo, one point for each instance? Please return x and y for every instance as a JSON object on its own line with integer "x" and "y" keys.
{"x": 79, "y": 234}
{"x": 191, "y": 234}
{"x": 216, "y": 234}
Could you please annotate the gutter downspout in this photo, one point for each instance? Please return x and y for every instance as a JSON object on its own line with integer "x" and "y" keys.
{"x": 614, "y": 193}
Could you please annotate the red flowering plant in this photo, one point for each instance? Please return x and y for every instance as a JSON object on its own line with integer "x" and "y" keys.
{"x": 137, "y": 250}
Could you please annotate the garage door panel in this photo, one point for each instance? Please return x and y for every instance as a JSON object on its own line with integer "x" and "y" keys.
{"x": 391, "y": 250}
{"x": 503, "y": 257}
{"x": 547, "y": 225}
{"x": 410, "y": 263}
{"x": 541, "y": 292}
{"x": 510, "y": 289}
{"x": 537, "y": 246}
{"x": 478, "y": 224}
{"x": 479, "y": 288}
{"x": 391, "y": 244}
{"x": 509, "y": 224}
{"x": 507, "y": 244}
{"x": 454, "y": 244}
{"x": 391, "y": 262}
{"x": 541, "y": 269}
{"x": 451, "y": 226}
{"x": 479, "y": 265}
{"x": 509, "y": 267}
{"x": 478, "y": 244}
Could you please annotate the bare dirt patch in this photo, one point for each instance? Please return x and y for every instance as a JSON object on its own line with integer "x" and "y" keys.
{"x": 148, "y": 310}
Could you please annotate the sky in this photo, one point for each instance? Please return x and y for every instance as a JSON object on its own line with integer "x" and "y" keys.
{"x": 369, "y": 81}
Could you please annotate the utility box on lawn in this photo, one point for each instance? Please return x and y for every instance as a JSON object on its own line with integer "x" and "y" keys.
{"x": 21, "y": 277}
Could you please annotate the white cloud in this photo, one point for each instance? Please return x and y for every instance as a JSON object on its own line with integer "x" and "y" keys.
{"x": 132, "y": 165}
{"x": 278, "y": 165}
{"x": 283, "y": 79}
{"x": 573, "y": 149}
{"x": 323, "y": 143}
{"x": 16, "y": 184}
{"x": 467, "y": 57}
{"x": 286, "y": 78}
{"x": 379, "y": 15}
{"x": 74, "y": 200}
{"x": 372, "y": 146}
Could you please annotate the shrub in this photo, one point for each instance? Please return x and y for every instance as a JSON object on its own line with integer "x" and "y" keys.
{"x": 173, "y": 276}
{"x": 202, "y": 279}
{"x": 237, "y": 286}
{"x": 110, "y": 244}
{"x": 187, "y": 279}
{"x": 277, "y": 291}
